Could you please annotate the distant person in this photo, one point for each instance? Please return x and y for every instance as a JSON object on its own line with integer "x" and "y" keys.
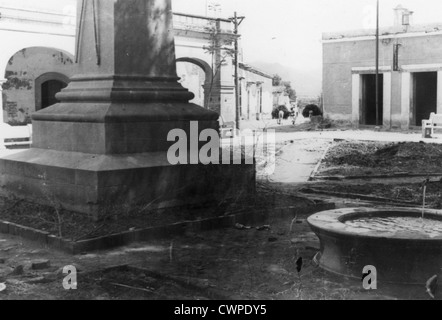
{"x": 281, "y": 117}
{"x": 297, "y": 111}
{"x": 294, "y": 114}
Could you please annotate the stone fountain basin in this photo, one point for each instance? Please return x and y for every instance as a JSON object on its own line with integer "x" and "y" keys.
{"x": 399, "y": 257}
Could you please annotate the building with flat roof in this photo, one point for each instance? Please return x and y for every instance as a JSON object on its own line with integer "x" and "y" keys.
{"x": 410, "y": 80}
{"x": 256, "y": 92}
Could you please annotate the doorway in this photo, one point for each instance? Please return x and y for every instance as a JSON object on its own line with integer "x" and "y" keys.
{"x": 46, "y": 87}
{"x": 368, "y": 101}
{"x": 48, "y": 91}
{"x": 424, "y": 96}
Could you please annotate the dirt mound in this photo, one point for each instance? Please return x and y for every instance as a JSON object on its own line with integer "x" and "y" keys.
{"x": 389, "y": 151}
{"x": 352, "y": 154}
{"x": 420, "y": 151}
{"x": 349, "y": 158}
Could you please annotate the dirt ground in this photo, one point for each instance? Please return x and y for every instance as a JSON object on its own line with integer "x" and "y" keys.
{"x": 225, "y": 264}
{"x": 240, "y": 262}
{"x": 365, "y": 159}
{"x": 75, "y": 227}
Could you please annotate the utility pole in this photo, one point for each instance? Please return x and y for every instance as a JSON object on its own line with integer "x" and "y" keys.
{"x": 377, "y": 64}
{"x": 237, "y": 22}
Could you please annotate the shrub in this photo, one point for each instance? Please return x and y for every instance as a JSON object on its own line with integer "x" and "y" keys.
{"x": 311, "y": 107}
{"x": 275, "y": 113}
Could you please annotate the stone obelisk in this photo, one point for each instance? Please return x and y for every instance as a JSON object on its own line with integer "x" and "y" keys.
{"x": 105, "y": 144}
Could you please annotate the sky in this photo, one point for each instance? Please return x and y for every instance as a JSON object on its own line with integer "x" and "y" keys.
{"x": 289, "y": 32}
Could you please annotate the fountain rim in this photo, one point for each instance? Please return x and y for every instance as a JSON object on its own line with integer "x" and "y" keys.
{"x": 332, "y": 222}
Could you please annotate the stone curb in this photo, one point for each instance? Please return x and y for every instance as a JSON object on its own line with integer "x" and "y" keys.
{"x": 382, "y": 176}
{"x": 318, "y": 166}
{"x": 355, "y": 196}
{"x": 154, "y": 233}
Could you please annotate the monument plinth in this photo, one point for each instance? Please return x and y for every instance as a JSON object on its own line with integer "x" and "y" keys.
{"x": 105, "y": 144}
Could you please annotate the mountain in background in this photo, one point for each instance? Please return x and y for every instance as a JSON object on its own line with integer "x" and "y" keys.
{"x": 307, "y": 83}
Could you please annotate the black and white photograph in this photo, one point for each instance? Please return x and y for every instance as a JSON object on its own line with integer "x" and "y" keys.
{"x": 223, "y": 156}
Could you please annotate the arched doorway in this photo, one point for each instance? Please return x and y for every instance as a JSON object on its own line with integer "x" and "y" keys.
{"x": 48, "y": 91}
{"x": 196, "y": 75}
{"x": 46, "y": 87}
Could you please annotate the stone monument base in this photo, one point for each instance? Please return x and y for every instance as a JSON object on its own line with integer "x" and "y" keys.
{"x": 94, "y": 184}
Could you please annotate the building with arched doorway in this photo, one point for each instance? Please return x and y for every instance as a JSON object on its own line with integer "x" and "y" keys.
{"x": 38, "y": 59}
{"x": 33, "y": 77}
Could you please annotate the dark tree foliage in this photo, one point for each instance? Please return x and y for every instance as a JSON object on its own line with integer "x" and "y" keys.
{"x": 311, "y": 107}
{"x": 275, "y": 113}
{"x": 277, "y": 80}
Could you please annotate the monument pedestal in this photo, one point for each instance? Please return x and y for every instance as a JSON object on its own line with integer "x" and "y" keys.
{"x": 104, "y": 146}
{"x": 98, "y": 185}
